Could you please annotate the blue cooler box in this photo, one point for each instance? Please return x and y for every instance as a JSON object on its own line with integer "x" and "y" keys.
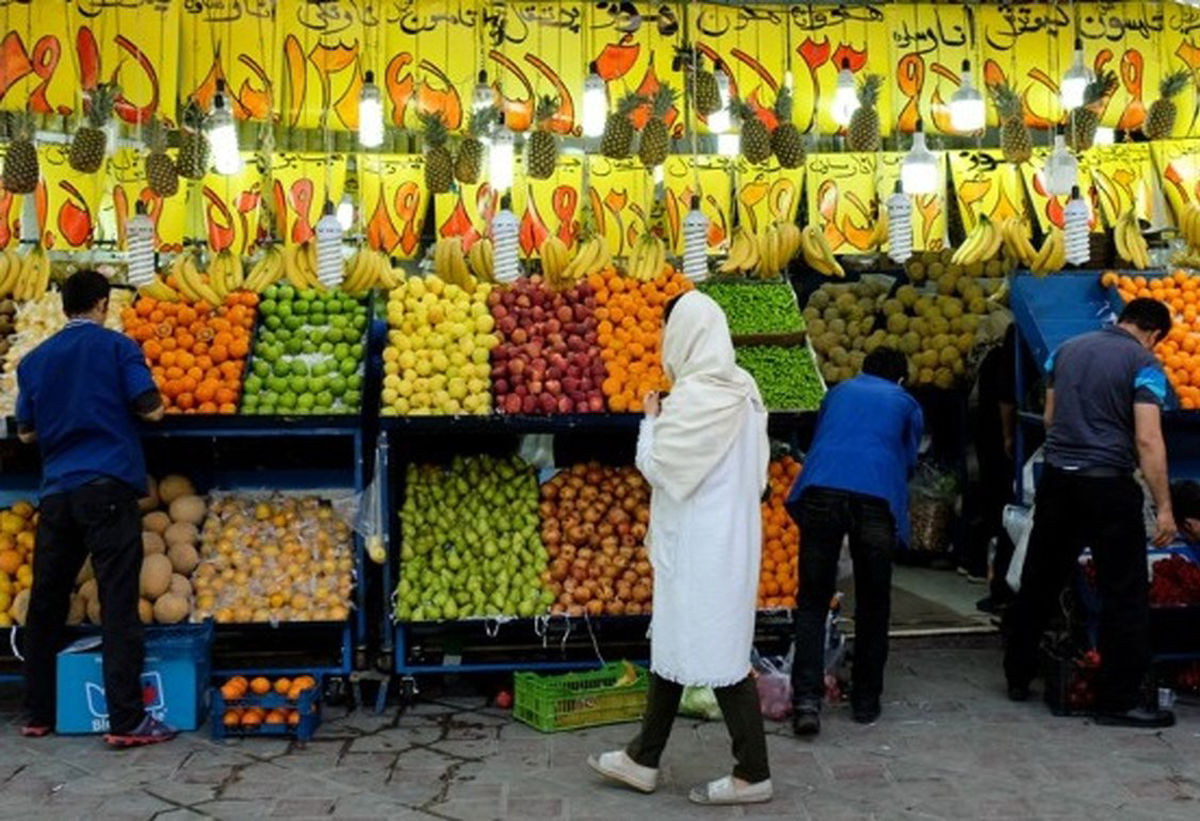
{"x": 174, "y": 680}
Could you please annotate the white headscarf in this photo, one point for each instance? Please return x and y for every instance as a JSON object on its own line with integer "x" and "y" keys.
{"x": 710, "y": 399}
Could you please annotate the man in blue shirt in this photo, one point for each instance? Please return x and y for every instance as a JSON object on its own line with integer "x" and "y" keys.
{"x": 1104, "y": 396}
{"x": 80, "y": 395}
{"x": 854, "y": 483}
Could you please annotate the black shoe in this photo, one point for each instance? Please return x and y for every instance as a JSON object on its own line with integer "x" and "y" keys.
{"x": 866, "y": 713}
{"x": 806, "y": 723}
{"x": 1018, "y": 692}
{"x": 1137, "y": 717}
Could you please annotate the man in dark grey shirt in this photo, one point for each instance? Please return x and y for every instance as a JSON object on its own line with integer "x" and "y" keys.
{"x": 1103, "y": 404}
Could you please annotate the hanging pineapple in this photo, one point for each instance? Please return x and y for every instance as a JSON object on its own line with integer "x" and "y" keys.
{"x": 655, "y": 137}
{"x": 1160, "y": 119}
{"x": 756, "y": 140}
{"x": 1015, "y": 142}
{"x": 863, "y": 132}
{"x": 786, "y": 140}
{"x": 1082, "y": 122}
{"x": 617, "y": 142}
{"x": 161, "y": 174}
{"x": 21, "y": 170}
{"x": 90, "y": 143}
{"x": 700, "y": 83}
{"x": 192, "y": 162}
{"x": 543, "y": 144}
{"x": 468, "y": 164}
{"x": 439, "y": 165}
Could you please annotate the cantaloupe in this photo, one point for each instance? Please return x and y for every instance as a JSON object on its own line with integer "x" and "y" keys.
{"x": 173, "y": 487}
{"x": 188, "y": 509}
{"x": 184, "y": 558}
{"x": 20, "y": 607}
{"x": 156, "y": 522}
{"x": 152, "y": 543}
{"x": 182, "y": 533}
{"x": 145, "y": 611}
{"x": 93, "y": 611}
{"x": 89, "y": 590}
{"x": 86, "y": 572}
{"x": 155, "y": 578}
{"x": 77, "y": 611}
{"x": 170, "y": 609}
{"x": 180, "y": 586}
{"x": 151, "y": 500}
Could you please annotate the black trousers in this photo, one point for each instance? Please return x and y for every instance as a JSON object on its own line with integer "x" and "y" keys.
{"x": 102, "y": 520}
{"x": 1072, "y": 513}
{"x": 825, "y": 517}
{"x": 739, "y": 706}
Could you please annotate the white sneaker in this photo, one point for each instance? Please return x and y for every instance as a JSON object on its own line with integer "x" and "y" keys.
{"x": 725, "y": 791}
{"x": 617, "y": 766}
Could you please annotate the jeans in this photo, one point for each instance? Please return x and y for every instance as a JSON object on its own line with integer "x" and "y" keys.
{"x": 825, "y": 517}
{"x": 1071, "y": 513}
{"x": 739, "y": 706}
{"x": 103, "y": 520}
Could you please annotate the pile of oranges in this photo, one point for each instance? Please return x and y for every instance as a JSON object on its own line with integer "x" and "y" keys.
{"x": 778, "y": 579}
{"x": 1180, "y": 351}
{"x": 18, "y": 526}
{"x": 197, "y": 354}
{"x": 630, "y": 333}
{"x": 252, "y": 716}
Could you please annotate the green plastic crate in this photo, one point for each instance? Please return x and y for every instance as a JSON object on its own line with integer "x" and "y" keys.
{"x": 567, "y": 702}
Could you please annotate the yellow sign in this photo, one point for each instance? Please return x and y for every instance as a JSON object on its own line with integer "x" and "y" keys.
{"x": 984, "y": 184}
{"x": 1178, "y": 163}
{"x": 1124, "y": 38}
{"x": 225, "y": 209}
{"x": 1008, "y": 34}
{"x": 1180, "y": 49}
{"x": 1123, "y": 176}
{"x": 1048, "y": 209}
{"x": 552, "y": 207}
{"x": 767, "y": 194}
{"x": 465, "y": 212}
{"x": 323, "y": 57}
{"x": 929, "y": 44}
{"x": 929, "y": 210}
{"x": 622, "y": 196}
{"x": 68, "y": 203}
{"x": 126, "y": 188}
{"x": 394, "y": 202}
{"x": 301, "y": 184}
{"x": 234, "y": 43}
{"x": 431, "y": 59}
{"x": 708, "y": 181}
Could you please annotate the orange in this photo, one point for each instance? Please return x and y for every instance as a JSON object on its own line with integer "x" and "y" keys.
{"x": 260, "y": 685}
{"x": 276, "y": 717}
{"x": 282, "y": 685}
{"x": 232, "y": 717}
{"x": 252, "y": 719}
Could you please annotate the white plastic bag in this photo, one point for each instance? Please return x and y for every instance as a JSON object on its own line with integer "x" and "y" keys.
{"x": 774, "y": 682}
{"x": 1018, "y": 522}
{"x": 700, "y": 702}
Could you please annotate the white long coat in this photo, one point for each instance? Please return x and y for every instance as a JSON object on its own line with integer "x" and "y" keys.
{"x": 706, "y": 552}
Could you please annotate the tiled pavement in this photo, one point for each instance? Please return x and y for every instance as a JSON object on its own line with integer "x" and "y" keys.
{"x": 949, "y": 746}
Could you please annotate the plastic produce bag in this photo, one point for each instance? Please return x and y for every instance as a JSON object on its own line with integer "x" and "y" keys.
{"x": 700, "y": 702}
{"x": 774, "y": 685}
{"x": 932, "y": 496}
{"x": 537, "y": 449}
{"x": 1018, "y": 522}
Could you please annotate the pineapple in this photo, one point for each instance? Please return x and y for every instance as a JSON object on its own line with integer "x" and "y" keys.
{"x": 161, "y": 174}
{"x": 21, "y": 170}
{"x": 192, "y": 162}
{"x": 1083, "y": 121}
{"x": 1160, "y": 119}
{"x": 863, "y": 131}
{"x": 469, "y": 162}
{"x": 91, "y": 140}
{"x": 700, "y": 83}
{"x": 543, "y": 145}
{"x": 617, "y": 142}
{"x": 439, "y": 165}
{"x": 786, "y": 140}
{"x": 756, "y": 140}
{"x": 1014, "y": 135}
{"x": 655, "y": 137}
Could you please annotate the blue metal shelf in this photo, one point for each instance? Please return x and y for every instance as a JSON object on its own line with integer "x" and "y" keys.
{"x": 1050, "y": 310}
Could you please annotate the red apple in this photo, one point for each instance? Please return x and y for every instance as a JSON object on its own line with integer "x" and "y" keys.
{"x": 565, "y": 405}
{"x": 535, "y": 386}
{"x": 548, "y": 403}
{"x": 596, "y": 403}
{"x": 512, "y": 403}
{"x": 553, "y": 386}
{"x": 528, "y": 404}
{"x": 500, "y": 386}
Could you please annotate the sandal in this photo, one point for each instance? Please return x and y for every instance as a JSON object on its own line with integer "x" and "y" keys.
{"x": 724, "y": 791}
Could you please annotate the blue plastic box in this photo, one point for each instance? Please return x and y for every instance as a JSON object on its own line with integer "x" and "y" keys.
{"x": 174, "y": 680}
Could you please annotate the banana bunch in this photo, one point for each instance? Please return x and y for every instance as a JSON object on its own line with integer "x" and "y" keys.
{"x": 449, "y": 264}
{"x": 1053, "y": 254}
{"x": 817, "y": 253}
{"x": 482, "y": 260}
{"x": 647, "y": 258}
{"x": 226, "y": 274}
{"x": 186, "y": 278}
{"x": 981, "y": 245}
{"x": 368, "y": 269}
{"x": 555, "y": 258}
{"x": 592, "y": 257}
{"x": 743, "y": 253}
{"x": 1189, "y": 226}
{"x": 12, "y": 267}
{"x": 1015, "y": 233}
{"x": 879, "y": 234}
{"x": 158, "y": 289}
{"x": 1131, "y": 245}
{"x": 777, "y": 245}
{"x": 25, "y": 277}
{"x": 300, "y": 266}
{"x": 266, "y": 272}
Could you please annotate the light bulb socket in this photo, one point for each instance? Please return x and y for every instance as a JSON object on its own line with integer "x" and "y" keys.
{"x": 1078, "y": 44}
{"x": 695, "y": 202}
{"x": 482, "y": 76}
{"x": 1058, "y": 130}
{"x": 139, "y": 208}
{"x": 369, "y": 76}
{"x": 1075, "y": 192}
{"x": 845, "y": 64}
{"x": 328, "y": 210}
{"x": 966, "y": 65}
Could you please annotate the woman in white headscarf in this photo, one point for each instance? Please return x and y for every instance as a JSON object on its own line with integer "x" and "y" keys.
{"x": 705, "y": 456}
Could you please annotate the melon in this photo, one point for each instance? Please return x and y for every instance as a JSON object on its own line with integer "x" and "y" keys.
{"x": 173, "y": 487}
{"x": 152, "y": 543}
{"x": 89, "y": 591}
{"x": 184, "y": 558}
{"x": 155, "y": 578}
{"x": 145, "y": 611}
{"x": 86, "y": 572}
{"x": 93, "y": 611}
{"x": 181, "y": 533}
{"x": 180, "y": 586}
{"x": 20, "y": 607}
{"x": 77, "y": 611}
{"x": 150, "y": 501}
{"x": 188, "y": 509}
{"x": 170, "y": 609}
{"x": 156, "y": 522}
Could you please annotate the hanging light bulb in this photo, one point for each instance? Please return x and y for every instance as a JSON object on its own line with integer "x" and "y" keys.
{"x": 330, "y": 270}
{"x": 1061, "y": 171}
{"x": 501, "y": 157}
{"x": 695, "y": 243}
{"x": 720, "y": 120}
{"x": 1075, "y": 80}
{"x": 370, "y": 113}
{"x": 729, "y": 145}
{"x": 345, "y": 213}
{"x": 483, "y": 96}
{"x": 222, "y": 135}
{"x": 919, "y": 168}
{"x": 845, "y": 95}
{"x": 595, "y": 104}
{"x": 1075, "y": 229}
{"x": 505, "y": 231}
{"x": 967, "y": 112}
{"x": 900, "y": 230}
{"x": 1105, "y": 136}
{"x": 139, "y": 247}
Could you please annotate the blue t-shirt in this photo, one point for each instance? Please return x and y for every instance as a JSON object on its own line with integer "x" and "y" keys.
{"x": 76, "y": 392}
{"x": 867, "y": 439}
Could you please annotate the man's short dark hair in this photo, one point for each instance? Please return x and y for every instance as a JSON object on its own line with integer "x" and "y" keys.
{"x": 1147, "y": 315}
{"x": 83, "y": 291}
{"x": 886, "y": 363}
{"x": 1185, "y": 499}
